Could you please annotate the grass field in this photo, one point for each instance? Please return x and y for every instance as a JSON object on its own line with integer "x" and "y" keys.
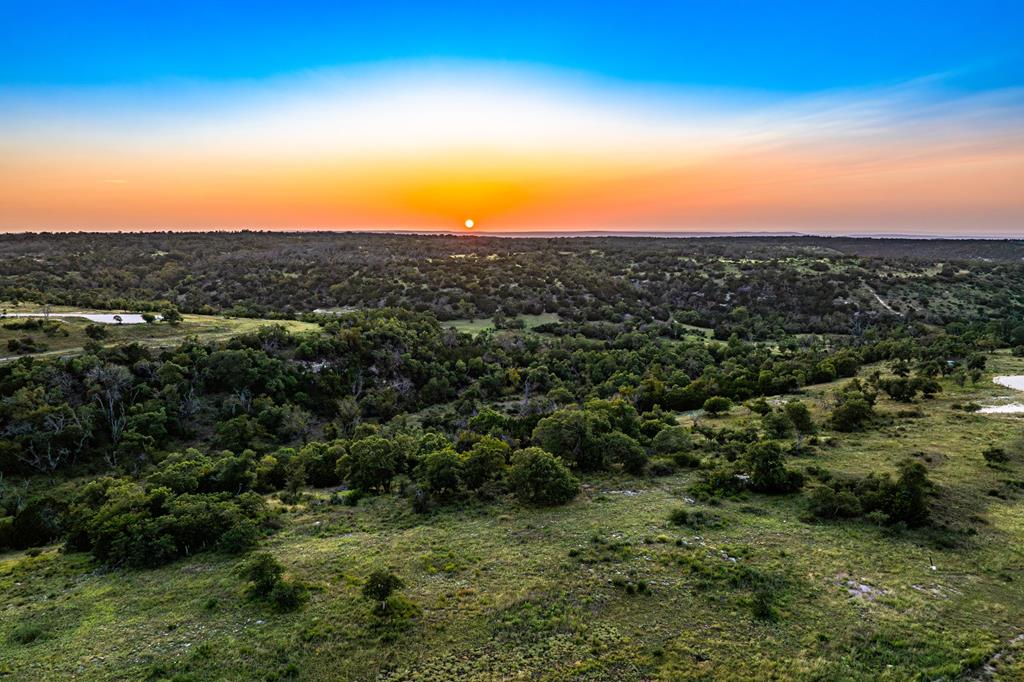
{"x": 480, "y": 325}
{"x": 69, "y": 337}
{"x": 509, "y": 592}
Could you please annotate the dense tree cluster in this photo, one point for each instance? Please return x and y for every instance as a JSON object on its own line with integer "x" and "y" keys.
{"x": 754, "y": 287}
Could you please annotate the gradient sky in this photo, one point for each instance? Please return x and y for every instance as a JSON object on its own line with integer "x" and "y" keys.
{"x": 838, "y": 117}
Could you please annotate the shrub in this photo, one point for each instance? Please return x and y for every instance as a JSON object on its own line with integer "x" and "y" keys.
{"x": 320, "y": 463}
{"x": 762, "y": 604}
{"x": 379, "y": 587}
{"x": 995, "y": 455}
{"x": 441, "y": 473}
{"x": 686, "y": 459}
{"x": 908, "y": 498}
{"x": 485, "y": 462}
{"x": 800, "y": 416}
{"x": 538, "y": 477}
{"x": 287, "y": 595}
{"x": 41, "y": 521}
{"x": 759, "y": 406}
{"x": 574, "y": 435}
{"x": 777, "y": 424}
{"x": 263, "y": 572}
{"x": 671, "y": 440}
{"x": 904, "y": 500}
{"x": 370, "y": 464}
{"x": 266, "y": 582}
{"x": 826, "y": 503}
{"x": 852, "y": 414}
{"x": 96, "y": 332}
{"x": 239, "y": 538}
{"x": 679, "y": 516}
{"x": 661, "y": 466}
{"x": 6, "y": 531}
{"x": 767, "y": 470}
{"x": 625, "y": 451}
{"x": 27, "y": 633}
{"x": 716, "y": 405}
{"x": 698, "y": 518}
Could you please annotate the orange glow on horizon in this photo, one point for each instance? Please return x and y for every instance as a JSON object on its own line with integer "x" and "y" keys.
{"x": 528, "y": 157}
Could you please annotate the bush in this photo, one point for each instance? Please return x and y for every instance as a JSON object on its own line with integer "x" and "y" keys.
{"x": 681, "y": 516}
{"x": 574, "y": 435}
{"x": 96, "y": 332}
{"x": 852, "y": 414}
{"x": 370, "y": 464}
{"x": 287, "y": 595}
{"x": 686, "y": 459}
{"x": 27, "y": 633}
{"x": 661, "y": 466}
{"x": 716, "y": 405}
{"x": 995, "y": 455}
{"x": 239, "y": 538}
{"x": 671, "y": 440}
{"x": 768, "y": 474}
{"x": 6, "y": 531}
{"x": 908, "y": 497}
{"x": 123, "y": 524}
{"x": 263, "y": 572}
{"x": 777, "y": 424}
{"x": 39, "y": 523}
{"x": 441, "y": 473}
{"x": 625, "y": 451}
{"x": 759, "y": 406}
{"x": 826, "y": 503}
{"x": 538, "y": 477}
{"x": 266, "y": 582}
{"x": 485, "y": 462}
{"x": 799, "y": 416}
{"x": 379, "y": 587}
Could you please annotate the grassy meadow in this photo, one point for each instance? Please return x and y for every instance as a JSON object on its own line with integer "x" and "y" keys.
{"x": 604, "y": 588}
{"x": 68, "y": 335}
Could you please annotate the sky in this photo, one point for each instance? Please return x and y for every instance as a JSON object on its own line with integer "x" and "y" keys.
{"x": 826, "y": 118}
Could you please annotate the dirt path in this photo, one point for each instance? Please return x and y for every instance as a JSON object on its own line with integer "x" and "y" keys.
{"x": 883, "y": 303}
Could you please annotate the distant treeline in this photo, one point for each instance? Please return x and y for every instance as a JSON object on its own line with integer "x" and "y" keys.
{"x": 756, "y": 287}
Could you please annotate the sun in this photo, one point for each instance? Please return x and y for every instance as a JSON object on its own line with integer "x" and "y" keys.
{"x": 469, "y": 223}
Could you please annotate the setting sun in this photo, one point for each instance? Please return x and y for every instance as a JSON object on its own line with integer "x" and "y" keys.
{"x": 469, "y": 223}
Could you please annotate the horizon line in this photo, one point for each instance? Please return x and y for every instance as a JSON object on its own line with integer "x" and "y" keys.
{"x": 537, "y": 234}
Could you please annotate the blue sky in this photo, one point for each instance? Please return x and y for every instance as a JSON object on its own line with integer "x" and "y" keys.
{"x": 784, "y": 45}
{"x": 813, "y": 116}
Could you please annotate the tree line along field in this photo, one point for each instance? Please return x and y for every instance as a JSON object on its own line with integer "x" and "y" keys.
{"x": 630, "y": 489}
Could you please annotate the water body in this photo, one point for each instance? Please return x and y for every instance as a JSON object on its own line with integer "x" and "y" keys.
{"x": 99, "y": 318}
{"x": 1016, "y": 382}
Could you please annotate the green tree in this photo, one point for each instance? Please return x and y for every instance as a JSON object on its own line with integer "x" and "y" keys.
{"x": 379, "y": 587}
{"x": 441, "y": 473}
{"x": 716, "y": 405}
{"x": 765, "y": 463}
{"x": 171, "y": 315}
{"x": 671, "y": 440}
{"x": 574, "y": 435}
{"x": 538, "y": 477}
{"x": 96, "y": 332}
{"x": 624, "y": 451}
{"x": 908, "y": 501}
{"x": 484, "y": 462}
{"x": 370, "y": 464}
